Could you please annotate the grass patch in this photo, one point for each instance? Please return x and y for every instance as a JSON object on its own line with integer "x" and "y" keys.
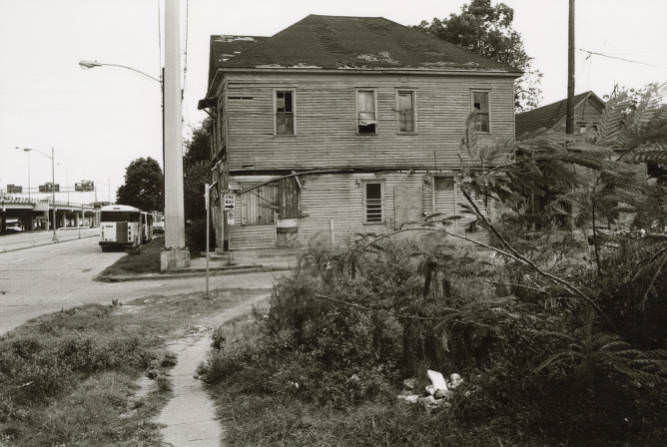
{"x": 147, "y": 260}
{"x": 69, "y": 378}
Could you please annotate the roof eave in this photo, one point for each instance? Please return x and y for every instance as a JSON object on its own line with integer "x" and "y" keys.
{"x": 358, "y": 70}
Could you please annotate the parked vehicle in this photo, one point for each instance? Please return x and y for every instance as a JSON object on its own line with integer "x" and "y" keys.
{"x": 13, "y": 226}
{"x": 158, "y": 227}
{"x": 123, "y": 226}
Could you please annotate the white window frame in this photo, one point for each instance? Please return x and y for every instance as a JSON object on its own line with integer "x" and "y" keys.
{"x": 472, "y": 104}
{"x": 356, "y": 110}
{"x": 414, "y": 110}
{"x": 364, "y": 183}
{"x": 274, "y": 112}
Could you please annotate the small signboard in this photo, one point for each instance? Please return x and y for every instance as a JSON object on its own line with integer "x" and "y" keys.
{"x": 229, "y": 201}
{"x": 14, "y": 189}
{"x": 84, "y": 185}
{"x": 230, "y": 218}
{"x": 49, "y": 187}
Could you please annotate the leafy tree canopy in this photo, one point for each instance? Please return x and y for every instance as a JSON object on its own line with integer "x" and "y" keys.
{"x": 486, "y": 29}
{"x": 144, "y": 185}
{"x": 197, "y": 170}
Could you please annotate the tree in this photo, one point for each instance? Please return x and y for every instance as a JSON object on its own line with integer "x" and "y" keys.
{"x": 487, "y": 30}
{"x": 144, "y": 185}
{"x": 196, "y": 170}
{"x": 196, "y": 173}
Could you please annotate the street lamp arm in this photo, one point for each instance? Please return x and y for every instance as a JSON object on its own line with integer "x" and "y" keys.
{"x": 93, "y": 64}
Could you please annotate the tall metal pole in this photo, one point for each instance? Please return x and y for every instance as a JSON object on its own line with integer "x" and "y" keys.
{"x": 569, "y": 118}
{"x": 28, "y": 152}
{"x": 53, "y": 192}
{"x": 175, "y": 254}
{"x": 208, "y": 214}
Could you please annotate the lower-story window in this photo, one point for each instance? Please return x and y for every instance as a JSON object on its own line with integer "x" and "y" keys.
{"x": 373, "y": 202}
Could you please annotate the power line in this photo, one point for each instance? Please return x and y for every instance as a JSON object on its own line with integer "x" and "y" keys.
{"x": 159, "y": 37}
{"x": 595, "y": 53}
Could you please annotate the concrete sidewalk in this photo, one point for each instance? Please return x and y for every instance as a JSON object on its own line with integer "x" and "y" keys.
{"x": 24, "y": 241}
{"x": 237, "y": 262}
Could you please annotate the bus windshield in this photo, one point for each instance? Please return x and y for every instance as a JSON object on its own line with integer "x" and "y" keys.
{"x": 119, "y": 216}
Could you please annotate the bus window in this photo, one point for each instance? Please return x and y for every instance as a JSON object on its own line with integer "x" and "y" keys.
{"x": 119, "y": 216}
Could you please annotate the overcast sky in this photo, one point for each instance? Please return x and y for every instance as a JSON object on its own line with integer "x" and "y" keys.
{"x": 99, "y": 120}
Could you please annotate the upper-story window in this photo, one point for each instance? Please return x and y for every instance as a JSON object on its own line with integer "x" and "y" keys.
{"x": 406, "y": 111}
{"x": 366, "y": 112}
{"x": 480, "y": 104}
{"x": 284, "y": 112}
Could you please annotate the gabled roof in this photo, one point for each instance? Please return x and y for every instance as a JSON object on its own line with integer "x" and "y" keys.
{"x": 337, "y": 42}
{"x": 546, "y": 117}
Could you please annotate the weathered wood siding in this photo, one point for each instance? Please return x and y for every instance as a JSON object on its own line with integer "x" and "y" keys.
{"x": 588, "y": 112}
{"x": 326, "y": 125}
{"x": 248, "y": 237}
{"x": 407, "y": 197}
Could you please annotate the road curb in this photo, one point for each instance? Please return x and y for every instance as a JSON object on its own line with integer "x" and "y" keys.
{"x": 190, "y": 274}
{"x": 2, "y": 250}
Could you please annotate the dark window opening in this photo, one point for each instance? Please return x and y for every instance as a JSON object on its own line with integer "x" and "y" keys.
{"x": 444, "y": 183}
{"x": 284, "y": 113}
{"x": 366, "y": 118}
{"x": 373, "y": 202}
{"x": 406, "y": 111}
{"x": 119, "y": 216}
{"x": 481, "y": 107}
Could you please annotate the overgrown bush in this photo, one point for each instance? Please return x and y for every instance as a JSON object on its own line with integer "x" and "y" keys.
{"x": 349, "y": 324}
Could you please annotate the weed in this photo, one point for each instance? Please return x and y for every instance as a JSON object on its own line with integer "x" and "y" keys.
{"x": 163, "y": 383}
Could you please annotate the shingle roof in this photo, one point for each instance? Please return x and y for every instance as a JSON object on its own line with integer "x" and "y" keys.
{"x": 546, "y": 117}
{"x": 226, "y": 47}
{"x": 336, "y": 42}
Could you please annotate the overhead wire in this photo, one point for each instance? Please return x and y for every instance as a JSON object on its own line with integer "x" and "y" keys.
{"x": 159, "y": 38}
{"x": 597, "y": 53}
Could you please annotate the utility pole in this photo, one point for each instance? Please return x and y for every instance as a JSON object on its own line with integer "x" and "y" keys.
{"x": 53, "y": 192}
{"x": 175, "y": 254}
{"x": 569, "y": 117}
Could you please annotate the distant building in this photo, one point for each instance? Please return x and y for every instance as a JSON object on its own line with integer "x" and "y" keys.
{"x": 343, "y": 125}
{"x": 588, "y": 109}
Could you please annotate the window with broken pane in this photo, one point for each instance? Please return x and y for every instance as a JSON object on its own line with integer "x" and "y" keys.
{"x": 481, "y": 107}
{"x": 406, "y": 111}
{"x": 373, "y": 202}
{"x": 366, "y": 118}
{"x": 284, "y": 112}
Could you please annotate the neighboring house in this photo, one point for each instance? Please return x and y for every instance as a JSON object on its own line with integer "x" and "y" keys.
{"x": 588, "y": 109}
{"x": 342, "y": 125}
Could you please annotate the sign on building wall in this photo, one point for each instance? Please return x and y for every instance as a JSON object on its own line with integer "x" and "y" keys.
{"x": 14, "y": 189}
{"x": 229, "y": 201}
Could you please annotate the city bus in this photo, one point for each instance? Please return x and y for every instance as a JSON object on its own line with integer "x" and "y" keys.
{"x": 123, "y": 226}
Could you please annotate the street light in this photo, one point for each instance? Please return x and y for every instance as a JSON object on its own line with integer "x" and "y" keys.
{"x": 27, "y": 150}
{"x": 86, "y": 65}
{"x": 93, "y": 64}
{"x": 53, "y": 181}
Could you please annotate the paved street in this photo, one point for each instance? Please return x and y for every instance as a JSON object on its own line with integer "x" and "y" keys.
{"x": 20, "y": 240}
{"x": 46, "y": 279}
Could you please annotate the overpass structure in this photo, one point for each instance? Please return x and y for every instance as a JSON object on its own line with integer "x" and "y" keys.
{"x": 42, "y": 214}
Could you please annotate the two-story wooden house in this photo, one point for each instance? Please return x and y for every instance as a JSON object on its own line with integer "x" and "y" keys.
{"x": 342, "y": 125}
